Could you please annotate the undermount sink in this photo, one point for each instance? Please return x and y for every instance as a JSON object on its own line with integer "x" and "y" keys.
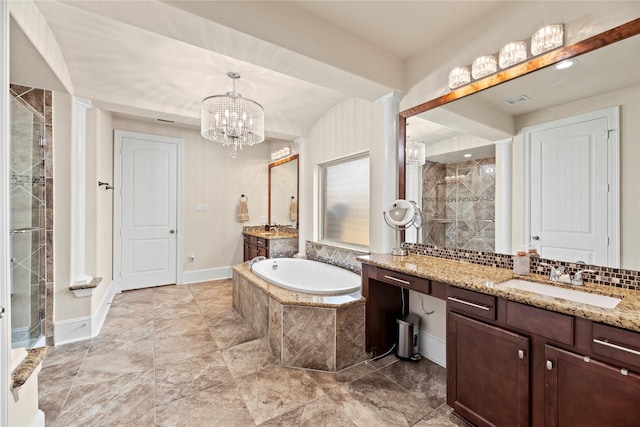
{"x": 597, "y": 300}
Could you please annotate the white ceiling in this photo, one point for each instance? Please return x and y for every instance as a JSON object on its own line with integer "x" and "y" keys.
{"x": 298, "y": 59}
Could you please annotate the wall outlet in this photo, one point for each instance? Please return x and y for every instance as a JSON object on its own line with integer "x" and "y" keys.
{"x": 192, "y": 258}
{"x": 201, "y": 207}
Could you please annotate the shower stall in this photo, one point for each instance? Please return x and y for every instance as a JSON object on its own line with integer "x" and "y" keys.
{"x": 460, "y": 204}
{"x": 27, "y": 223}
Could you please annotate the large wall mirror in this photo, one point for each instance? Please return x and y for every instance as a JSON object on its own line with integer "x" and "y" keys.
{"x": 283, "y": 191}
{"x": 491, "y": 181}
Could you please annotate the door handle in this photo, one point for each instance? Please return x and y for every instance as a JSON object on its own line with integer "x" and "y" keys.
{"x": 2, "y": 310}
{"x": 535, "y": 237}
{"x": 172, "y": 231}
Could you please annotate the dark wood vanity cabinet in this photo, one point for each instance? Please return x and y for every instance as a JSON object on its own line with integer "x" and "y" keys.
{"x": 487, "y": 373}
{"x": 582, "y": 391}
{"x": 255, "y": 246}
{"x": 386, "y": 292}
{"x": 511, "y": 364}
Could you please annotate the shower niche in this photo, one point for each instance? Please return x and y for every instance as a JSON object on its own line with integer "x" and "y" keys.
{"x": 27, "y": 217}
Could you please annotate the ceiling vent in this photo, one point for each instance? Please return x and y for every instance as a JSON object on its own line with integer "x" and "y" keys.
{"x": 517, "y": 100}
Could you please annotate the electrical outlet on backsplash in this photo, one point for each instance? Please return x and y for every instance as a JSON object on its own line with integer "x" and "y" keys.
{"x": 616, "y": 277}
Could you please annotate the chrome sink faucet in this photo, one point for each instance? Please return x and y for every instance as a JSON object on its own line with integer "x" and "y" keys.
{"x": 556, "y": 272}
{"x": 576, "y": 280}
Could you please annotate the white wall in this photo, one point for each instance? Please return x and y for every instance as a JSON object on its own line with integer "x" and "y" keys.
{"x": 213, "y": 178}
{"x": 629, "y": 100}
{"x": 352, "y": 126}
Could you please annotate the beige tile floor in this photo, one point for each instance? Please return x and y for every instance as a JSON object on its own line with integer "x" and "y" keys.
{"x": 181, "y": 356}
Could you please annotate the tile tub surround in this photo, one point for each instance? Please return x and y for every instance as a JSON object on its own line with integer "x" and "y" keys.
{"x": 325, "y": 333}
{"x": 335, "y": 255}
{"x": 475, "y": 277}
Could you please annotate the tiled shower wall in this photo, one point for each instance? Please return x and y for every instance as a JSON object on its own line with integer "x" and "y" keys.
{"x": 41, "y": 102}
{"x": 459, "y": 202}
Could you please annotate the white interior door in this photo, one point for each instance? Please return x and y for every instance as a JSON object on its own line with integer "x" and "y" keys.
{"x": 569, "y": 208}
{"x": 148, "y": 210}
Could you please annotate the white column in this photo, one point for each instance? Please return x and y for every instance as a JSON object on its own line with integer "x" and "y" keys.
{"x": 305, "y": 201}
{"x": 5, "y": 335}
{"x": 413, "y": 191}
{"x": 384, "y": 175}
{"x": 78, "y": 196}
{"x": 504, "y": 178}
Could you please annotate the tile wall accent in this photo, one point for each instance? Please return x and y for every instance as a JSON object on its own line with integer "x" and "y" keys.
{"x": 459, "y": 200}
{"x": 320, "y": 338}
{"x": 341, "y": 257}
{"x": 41, "y": 103}
{"x": 616, "y": 277}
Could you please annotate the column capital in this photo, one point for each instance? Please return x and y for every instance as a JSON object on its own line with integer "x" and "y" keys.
{"x": 507, "y": 141}
{"x": 389, "y": 98}
{"x": 82, "y": 102}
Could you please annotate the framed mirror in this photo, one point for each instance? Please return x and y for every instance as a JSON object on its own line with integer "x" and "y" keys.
{"x": 502, "y": 108}
{"x": 283, "y": 191}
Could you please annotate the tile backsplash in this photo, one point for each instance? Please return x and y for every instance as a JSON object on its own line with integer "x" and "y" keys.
{"x": 341, "y": 257}
{"x": 616, "y": 277}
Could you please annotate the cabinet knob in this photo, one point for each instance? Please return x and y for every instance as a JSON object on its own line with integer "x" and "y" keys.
{"x": 521, "y": 354}
{"x": 549, "y": 365}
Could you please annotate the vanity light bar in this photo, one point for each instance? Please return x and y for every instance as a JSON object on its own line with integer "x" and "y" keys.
{"x": 545, "y": 39}
{"x": 281, "y": 153}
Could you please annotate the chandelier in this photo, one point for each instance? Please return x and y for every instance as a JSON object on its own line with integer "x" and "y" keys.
{"x": 231, "y": 119}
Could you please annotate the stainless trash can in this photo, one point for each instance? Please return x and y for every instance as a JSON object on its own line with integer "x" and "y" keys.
{"x": 408, "y": 330}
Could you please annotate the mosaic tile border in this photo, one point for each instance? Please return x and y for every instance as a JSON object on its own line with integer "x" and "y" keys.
{"x": 616, "y": 277}
{"x": 340, "y": 257}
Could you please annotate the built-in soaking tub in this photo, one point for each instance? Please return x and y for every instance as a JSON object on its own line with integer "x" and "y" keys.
{"x": 323, "y": 330}
{"x": 311, "y": 277}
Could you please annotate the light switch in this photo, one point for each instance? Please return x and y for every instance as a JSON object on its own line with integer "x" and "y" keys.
{"x": 201, "y": 207}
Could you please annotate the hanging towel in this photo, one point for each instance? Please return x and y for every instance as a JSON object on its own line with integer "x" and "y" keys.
{"x": 293, "y": 210}
{"x": 243, "y": 210}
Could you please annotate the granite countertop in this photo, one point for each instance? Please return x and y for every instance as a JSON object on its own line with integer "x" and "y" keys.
{"x": 24, "y": 370}
{"x": 287, "y": 297}
{"x": 484, "y": 279}
{"x": 271, "y": 234}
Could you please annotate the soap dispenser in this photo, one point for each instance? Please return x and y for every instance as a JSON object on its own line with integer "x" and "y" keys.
{"x": 521, "y": 262}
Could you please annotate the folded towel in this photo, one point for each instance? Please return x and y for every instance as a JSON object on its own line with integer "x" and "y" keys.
{"x": 293, "y": 210}
{"x": 243, "y": 211}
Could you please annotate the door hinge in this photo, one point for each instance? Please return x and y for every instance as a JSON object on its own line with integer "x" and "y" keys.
{"x": 42, "y": 314}
{"x": 2, "y": 310}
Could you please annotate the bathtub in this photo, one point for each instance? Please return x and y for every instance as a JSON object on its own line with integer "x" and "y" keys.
{"x": 302, "y": 275}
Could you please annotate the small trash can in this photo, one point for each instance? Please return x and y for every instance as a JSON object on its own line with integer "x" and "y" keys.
{"x": 408, "y": 331}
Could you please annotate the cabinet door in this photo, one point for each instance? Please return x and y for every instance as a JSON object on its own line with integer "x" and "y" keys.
{"x": 487, "y": 373}
{"x": 583, "y": 392}
{"x": 247, "y": 251}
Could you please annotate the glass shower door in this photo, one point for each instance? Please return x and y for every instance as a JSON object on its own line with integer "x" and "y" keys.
{"x": 27, "y": 218}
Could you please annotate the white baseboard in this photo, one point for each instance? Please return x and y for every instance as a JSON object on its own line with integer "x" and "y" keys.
{"x": 86, "y": 327}
{"x": 195, "y": 276}
{"x": 433, "y": 348}
{"x": 37, "y": 420}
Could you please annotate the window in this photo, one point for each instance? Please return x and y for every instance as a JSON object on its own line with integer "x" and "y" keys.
{"x": 344, "y": 201}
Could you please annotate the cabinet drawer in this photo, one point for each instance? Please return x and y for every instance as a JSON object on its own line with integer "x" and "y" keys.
{"x": 617, "y": 344}
{"x": 246, "y": 238}
{"x": 403, "y": 280}
{"x": 253, "y": 240}
{"x": 261, "y": 242}
{"x": 549, "y": 324}
{"x": 478, "y": 305}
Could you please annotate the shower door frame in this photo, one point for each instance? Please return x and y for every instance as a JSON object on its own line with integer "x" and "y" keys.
{"x": 5, "y": 327}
